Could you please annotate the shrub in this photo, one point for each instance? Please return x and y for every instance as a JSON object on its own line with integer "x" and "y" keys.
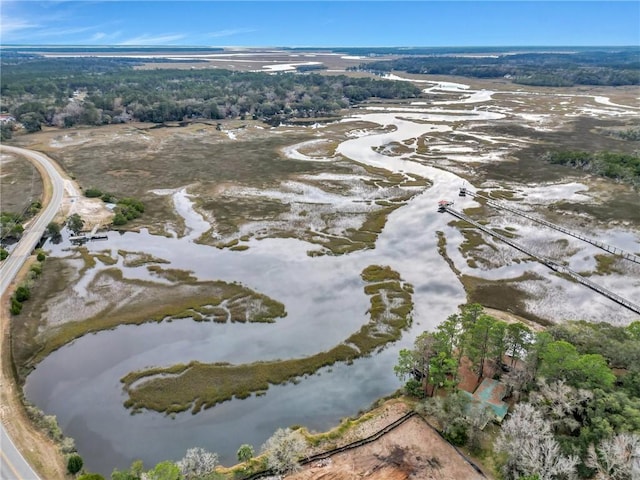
{"x": 456, "y": 433}
{"x": 74, "y": 464}
{"x": 245, "y": 453}
{"x": 22, "y": 293}
{"x": 108, "y": 198}
{"x": 91, "y": 476}
{"x": 16, "y": 306}
{"x": 53, "y": 229}
{"x": 92, "y": 193}
{"x": 119, "y": 219}
{"x": 3, "y": 253}
{"x": 414, "y": 388}
{"x": 36, "y": 268}
{"x": 41, "y": 256}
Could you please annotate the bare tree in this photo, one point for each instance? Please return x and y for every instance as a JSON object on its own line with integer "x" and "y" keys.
{"x": 616, "y": 458}
{"x": 284, "y": 449}
{"x": 197, "y": 462}
{"x": 562, "y": 404}
{"x": 545, "y": 460}
{"x": 526, "y": 439}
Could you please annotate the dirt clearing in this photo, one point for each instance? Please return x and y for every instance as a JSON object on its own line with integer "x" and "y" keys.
{"x": 413, "y": 451}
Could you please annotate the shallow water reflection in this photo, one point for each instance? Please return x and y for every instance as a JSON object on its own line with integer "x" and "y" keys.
{"x": 325, "y": 302}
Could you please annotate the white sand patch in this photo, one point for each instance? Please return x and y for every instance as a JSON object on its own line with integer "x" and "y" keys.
{"x": 284, "y": 67}
{"x": 447, "y": 87}
{"x": 532, "y": 117}
{"x": 451, "y": 149}
{"x": 332, "y": 177}
{"x": 393, "y": 76}
{"x": 607, "y": 101}
{"x": 231, "y": 135}
{"x": 165, "y": 191}
{"x": 493, "y": 156}
{"x": 438, "y": 115}
{"x": 451, "y": 86}
{"x": 352, "y": 57}
{"x": 476, "y": 97}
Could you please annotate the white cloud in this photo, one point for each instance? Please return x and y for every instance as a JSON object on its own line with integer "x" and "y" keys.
{"x": 153, "y": 39}
{"x": 230, "y": 32}
{"x": 61, "y": 32}
{"x": 9, "y": 26}
{"x": 102, "y": 37}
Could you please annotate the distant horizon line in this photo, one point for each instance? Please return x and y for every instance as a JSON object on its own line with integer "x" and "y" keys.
{"x": 36, "y": 45}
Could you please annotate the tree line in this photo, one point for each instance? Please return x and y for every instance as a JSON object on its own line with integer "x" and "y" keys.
{"x": 541, "y": 69}
{"x": 95, "y": 91}
{"x": 623, "y": 167}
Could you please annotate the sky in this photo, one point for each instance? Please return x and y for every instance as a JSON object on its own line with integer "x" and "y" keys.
{"x": 320, "y": 23}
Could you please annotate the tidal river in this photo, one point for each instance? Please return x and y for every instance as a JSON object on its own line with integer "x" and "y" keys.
{"x": 80, "y": 383}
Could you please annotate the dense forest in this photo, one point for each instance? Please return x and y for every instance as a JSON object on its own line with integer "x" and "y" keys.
{"x": 618, "y": 166}
{"x": 94, "y": 91}
{"x": 542, "y": 69}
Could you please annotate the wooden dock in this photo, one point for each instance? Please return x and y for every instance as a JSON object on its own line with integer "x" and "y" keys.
{"x": 553, "y": 265}
{"x": 93, "y": 235}
{"x": 603, "y": 246}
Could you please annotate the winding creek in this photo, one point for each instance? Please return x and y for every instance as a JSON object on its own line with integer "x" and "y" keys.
{"x": 325, "y": 302}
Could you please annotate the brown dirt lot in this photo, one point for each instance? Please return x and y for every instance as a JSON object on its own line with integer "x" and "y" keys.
{"x": 413, "y": 451}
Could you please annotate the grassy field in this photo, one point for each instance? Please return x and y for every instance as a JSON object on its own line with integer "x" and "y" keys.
{"x": 20, "y": 184}
{"x": 198, "y": 385}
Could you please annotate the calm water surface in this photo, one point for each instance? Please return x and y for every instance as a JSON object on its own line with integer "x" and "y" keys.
{"x": 324, "y": 298}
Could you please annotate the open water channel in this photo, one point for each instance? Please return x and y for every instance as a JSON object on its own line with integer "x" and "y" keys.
{"x": 325, "y": 302}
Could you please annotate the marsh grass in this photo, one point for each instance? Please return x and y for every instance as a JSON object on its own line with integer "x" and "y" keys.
{"x": 505, "y": 232}
{"x": 505, "y": 295}
{"x": 139, "y": 259}
{"x": 605, "y": 264}
{"x": 442, "y": 250}
{"x": 173, "y": 274}
{"x": 105, "y": 257}
{"x": 182, "y": 299}
{"x": 198, "y": 385}
{"x": 133, "y": 160}
{"x": 89, "y": 260}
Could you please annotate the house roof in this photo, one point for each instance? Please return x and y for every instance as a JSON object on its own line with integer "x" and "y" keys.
{"x": 490, "y": 394}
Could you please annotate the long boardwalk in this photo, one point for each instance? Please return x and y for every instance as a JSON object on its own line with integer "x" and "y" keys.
{"x": 556, "y": 267}
{"x": 607, "y": 248}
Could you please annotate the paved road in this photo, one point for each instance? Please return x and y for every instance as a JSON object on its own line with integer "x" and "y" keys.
{"x": 12, "y": 464}
{"x": 33, "y": 233}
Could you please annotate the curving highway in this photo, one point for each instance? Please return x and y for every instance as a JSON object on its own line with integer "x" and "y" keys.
{"x": 34, "y": 231}
{"x": 13, "y": 466}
